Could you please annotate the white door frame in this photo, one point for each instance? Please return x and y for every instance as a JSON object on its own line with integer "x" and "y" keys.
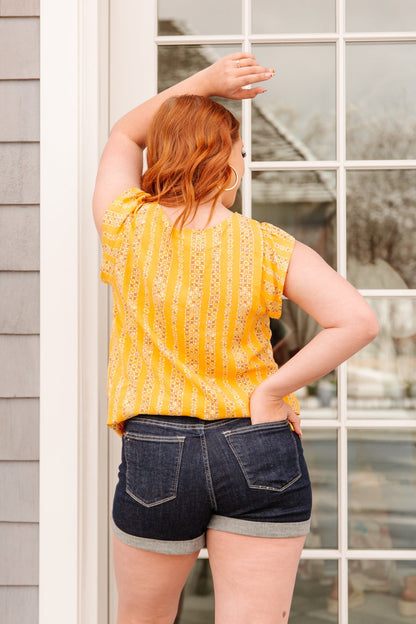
{"x": 76, "y": 113}
{"x": 73, "y": 441}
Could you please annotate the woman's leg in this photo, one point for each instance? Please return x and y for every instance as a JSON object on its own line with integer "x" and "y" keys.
{"x": 149, "y": 584}
{"x": 253, "y": 577}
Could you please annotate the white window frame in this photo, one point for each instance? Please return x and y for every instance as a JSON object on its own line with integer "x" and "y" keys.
{"x": 341, "y": 165}
{"x": 82, "y": 94}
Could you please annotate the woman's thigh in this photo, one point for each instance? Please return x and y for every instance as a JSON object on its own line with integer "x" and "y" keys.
{"x": 149, "y": 584}
{"x": 254, "y": 577}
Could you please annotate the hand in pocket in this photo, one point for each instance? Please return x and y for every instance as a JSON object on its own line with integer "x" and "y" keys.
{"x": 265, "y": 407}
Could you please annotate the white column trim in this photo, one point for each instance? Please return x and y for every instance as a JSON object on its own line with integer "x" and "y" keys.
{"x": 93, "y": 523}
{"x": 72, "y": 551}
{"x": 58, "y": 508}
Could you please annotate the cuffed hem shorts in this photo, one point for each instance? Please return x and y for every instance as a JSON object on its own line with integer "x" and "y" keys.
{"x": 180, "y": 476}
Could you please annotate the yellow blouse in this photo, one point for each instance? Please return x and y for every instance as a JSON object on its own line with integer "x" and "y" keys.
{"x": 191, "y": 308}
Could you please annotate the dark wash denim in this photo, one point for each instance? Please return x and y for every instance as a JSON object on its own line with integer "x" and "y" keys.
{"x": 180, "y": 475}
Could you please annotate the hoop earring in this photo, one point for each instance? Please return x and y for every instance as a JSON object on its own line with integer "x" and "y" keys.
{"x": 236, "y": 180}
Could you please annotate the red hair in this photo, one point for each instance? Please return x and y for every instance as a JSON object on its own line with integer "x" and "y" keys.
{"x": 188, "y": 147}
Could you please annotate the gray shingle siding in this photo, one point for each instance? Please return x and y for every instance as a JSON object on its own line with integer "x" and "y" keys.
{"x": 19, "y": 310}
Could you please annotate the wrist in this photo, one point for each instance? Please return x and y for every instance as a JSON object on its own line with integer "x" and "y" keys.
{"x": 270, "y": 386}
{"x": 202, "y": 83}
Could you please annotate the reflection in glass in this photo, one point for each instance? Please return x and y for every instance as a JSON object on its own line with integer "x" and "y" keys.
{"x": 314, "y": 580}
{"x": 382, "y": 489}
{"x": 312, "y": 588}
{"x": 382, "y": 376}
{"x": 196, "y": 605}
{"x": 381, "y": 97}
{"x": 175, "y": 63}
{"x": 290, "y": 333}
{"x": 199, "y": 18}
{"x": 301, "y": 202}
{"x": 296, "y": 16}
{"x": 304, "y": 204}
{"x": 295, "y": 118}
{"x": 320, "y": 449}
{"x": 382, "y": 15}
{"x": 381, "y": 228}
{"x": 382, "y": 592}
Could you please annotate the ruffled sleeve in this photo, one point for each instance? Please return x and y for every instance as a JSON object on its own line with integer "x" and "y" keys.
{"x": 116, "y": 221}
{"x": 277, "y": 249}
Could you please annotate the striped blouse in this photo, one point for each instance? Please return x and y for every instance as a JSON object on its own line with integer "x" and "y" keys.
{"x": 191, "y": 332}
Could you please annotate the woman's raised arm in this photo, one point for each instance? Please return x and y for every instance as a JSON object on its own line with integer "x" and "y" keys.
{"x": 121, "y": 162}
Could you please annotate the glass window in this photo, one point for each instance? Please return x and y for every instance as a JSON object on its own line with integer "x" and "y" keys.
{"x": 196, "y": 17}
{"x": 197, "y": 600}
{"x": 382, "y": 591}
{"x": 175, "y": 63}
{"x": 320, "y": 449}
{"x": 295, "y": 118}
{"x": 381, "y": 228}
{"x": 314, "y": 581}
{"x": 314, "y": 584}
{"x": 296, "y": 16}
{"x": 301, "y": 202}
{"x": 290, "y": 333}
{"x": 381, "y": 98}
{"x": 382, "y": 488}
{"x": 382, "y": 376}
{"x": 382, "y": 15}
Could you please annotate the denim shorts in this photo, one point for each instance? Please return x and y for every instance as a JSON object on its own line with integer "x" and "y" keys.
{"x": 180, "y": 476}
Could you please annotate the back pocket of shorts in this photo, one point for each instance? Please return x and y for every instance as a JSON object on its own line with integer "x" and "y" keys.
{"x": 152, "y": 467}
{"x": 267, "y": 454}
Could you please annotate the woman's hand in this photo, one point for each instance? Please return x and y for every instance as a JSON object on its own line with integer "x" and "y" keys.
{"x": 265, "y": 407}
{"x": 228, "y": 76}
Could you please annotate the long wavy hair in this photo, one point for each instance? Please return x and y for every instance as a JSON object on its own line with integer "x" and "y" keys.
{"x": 188, "y": 147}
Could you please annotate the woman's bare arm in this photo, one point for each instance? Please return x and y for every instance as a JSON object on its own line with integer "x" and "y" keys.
{"x": 121, "y": 163}
{"x": 348, "y": 325}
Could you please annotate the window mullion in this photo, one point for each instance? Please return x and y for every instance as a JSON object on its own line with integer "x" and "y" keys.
{"x": 246, "y": 109}
{"x": 342, "y": 269}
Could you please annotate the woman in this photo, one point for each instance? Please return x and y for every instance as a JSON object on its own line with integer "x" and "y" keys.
{"x": 211, "y": 436}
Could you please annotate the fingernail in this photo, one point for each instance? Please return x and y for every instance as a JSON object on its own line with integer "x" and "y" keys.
{"x": 270, "y": 75}
{"x": 264, "y": 91}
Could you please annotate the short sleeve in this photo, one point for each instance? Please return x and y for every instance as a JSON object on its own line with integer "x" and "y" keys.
{"x": 116, "y": 219}
{"x": 277, "y": 250}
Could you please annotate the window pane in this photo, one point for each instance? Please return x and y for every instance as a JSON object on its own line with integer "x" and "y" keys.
{"x": 320, "y": 449}
{"x": 196, "y": 605}
{"x": 304, "y": 204}
{"x": 377, "y": 591}
{"x": 381, "y": 98}
{"x": 295, "y": 118}
{"x": 315, "y": 578}
{"x": 310, "y": 599}
{"x": 382, "y": 15}
{"x": 381, "y": 228}
{"x": 382, "y": 489}
{"x": 382, "y": 376}
{"x": 301, "y": 202}
{"x": 175, "y": 63}
{"x": 296, "y": 16}
{"x": 197, "y": 17}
